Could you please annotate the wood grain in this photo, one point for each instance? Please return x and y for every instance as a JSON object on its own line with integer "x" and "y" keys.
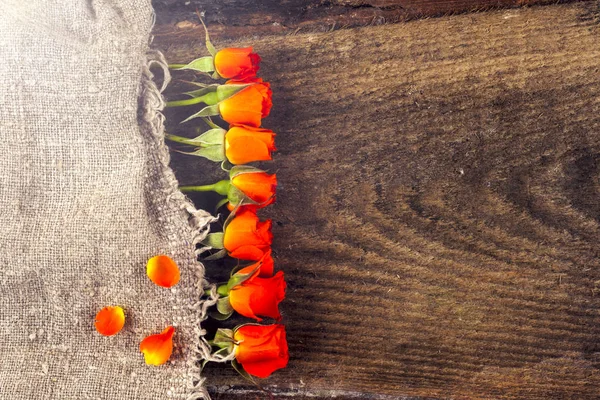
{"x": 239, "y": 18}
{"x": 438, "y": 214}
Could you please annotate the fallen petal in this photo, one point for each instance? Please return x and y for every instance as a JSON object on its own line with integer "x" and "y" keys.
{"x": 163, "y": 271}
{"x": 110, "y": 320}
{"x": 158, "y": 348}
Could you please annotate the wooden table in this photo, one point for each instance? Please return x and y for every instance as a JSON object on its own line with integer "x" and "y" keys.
{"x": 438, "y": 214}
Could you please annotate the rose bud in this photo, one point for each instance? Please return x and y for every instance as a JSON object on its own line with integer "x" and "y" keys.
{"x": 245, "y": 144}
{"x": 236, "y": 63}
{"x": 241, "y": 102}
{"x": 241, "y": 144}
{"x": 256, "y": 296}
{"x": 249, "y": 187}
{"x": 261, "y": 349}
{"x": 247, "y": 106}
{"x": 257, "y": 186}
{"x": 246, "y": 237}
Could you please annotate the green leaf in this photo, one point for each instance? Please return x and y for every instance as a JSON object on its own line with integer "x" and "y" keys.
{"x": 205, "y": 112}
{"x": 202, "y": 64}
{"x": 224, "y": 306}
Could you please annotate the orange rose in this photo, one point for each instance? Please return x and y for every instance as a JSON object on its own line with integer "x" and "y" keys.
{"x": 245, "y": 144}
{"x": 246, "y": 237}
{"x": 158, "y": 348}
{"x": 266, "y": 266}
{"x": 237, "y": 63}
{"x": 258, "y": 296}
{"x": 249, "y": 105}
{"x": 261, "y": 349}
{"x": 257, "y": 186}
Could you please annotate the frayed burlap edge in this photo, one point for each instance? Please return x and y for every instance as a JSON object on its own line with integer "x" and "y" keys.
{"x": 199, "y": 220}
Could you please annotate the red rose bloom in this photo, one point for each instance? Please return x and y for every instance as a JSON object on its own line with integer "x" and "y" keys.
{"x": 246, "y": 237}
{"x": 259, "y": 296}
{"x": 261, "y": 349}
{"x": 266, "y": 266}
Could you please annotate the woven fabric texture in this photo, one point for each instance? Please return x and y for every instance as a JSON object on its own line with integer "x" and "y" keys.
{"x": 86, "y": 198}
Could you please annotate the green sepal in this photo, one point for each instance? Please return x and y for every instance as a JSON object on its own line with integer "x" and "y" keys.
{"x": 242, "y": 169}
{"x": 212, "y": 153}
{"x": 223, "y": 290}
{"x": 218, "y": 316}
{"x": 238, "y": 279}
{"x": 236, "y": 196}
{"x": 226, "y": 91}
{"x": 240, "y": 370}
{"x": 222, "y": 187}
{"x": 224, "y": 352}
{"x": 226, "y": 166}
{"x": 220, "y": 204}
{"x": 210, "y": 98}
{"x": 214, "y": 240}
{"x": 210, "y": 123}
{"x": 211, "y": 137}
{"x": 202, "y": 64}
{"x": 202, "y": 91}
{"x": 223, "y": 338}
{"x": 207, "y": 111}
{"x": 240, "y": 267}
{"x": 219, "y": 254}
{"x": 231, "y": 216}
{"x": 224, "y": 306}
{"x": 209, "y": 46}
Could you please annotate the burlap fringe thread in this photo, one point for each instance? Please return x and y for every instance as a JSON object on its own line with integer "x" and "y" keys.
{"x": 200, "y": 220}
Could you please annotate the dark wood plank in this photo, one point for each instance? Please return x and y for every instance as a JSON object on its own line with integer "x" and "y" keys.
{"x": 438, "y": 215}
{"x": 239, "y": 18}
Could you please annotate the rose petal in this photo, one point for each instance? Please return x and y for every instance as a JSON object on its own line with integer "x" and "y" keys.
{"x": 158, "y": 348}
{"x": 163, "y": 271}
{"x": 110, "y": 320}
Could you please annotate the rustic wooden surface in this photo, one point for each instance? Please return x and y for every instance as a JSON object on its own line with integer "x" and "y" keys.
{"x": 438, "y": 213}
{"x": 238, "y": 18}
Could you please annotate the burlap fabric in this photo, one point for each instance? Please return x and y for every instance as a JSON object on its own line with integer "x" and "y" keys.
{"x": 86, "y": 198}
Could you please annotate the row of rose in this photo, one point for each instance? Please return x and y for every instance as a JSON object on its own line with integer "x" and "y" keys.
{"x": 253, "y": 291}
